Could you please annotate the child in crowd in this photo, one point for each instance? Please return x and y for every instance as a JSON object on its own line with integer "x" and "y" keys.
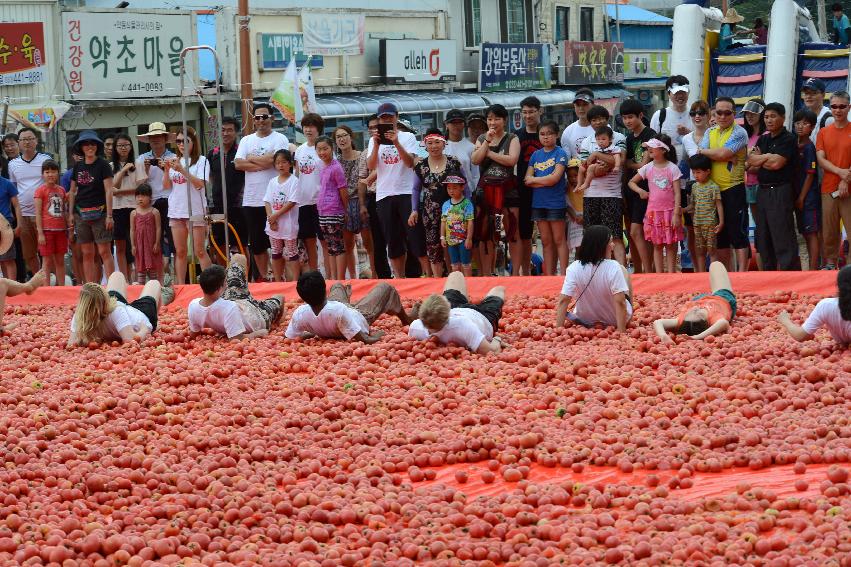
{"x": 456, "y": 226}
{"x": 331, "y": 205}
{"x": 228, "y": 307}
{"x": 833, "y": 314}
{"x": 332, "y": 316}
{"x": 808, "y": 200}
{"x": 592, "y": 167}
{"x": 706, "y": 209}
{"x": 309, "y": 167}
{"x": 281, "y": 201}
{"x": 104, "y": 315}
{"x": 145, "y": 235}
{"x": 707, "y": 313}
{"x": 575, "y": 223}
{"x": 451, "y": 318}
{"x": 51, "y": 212}
{"x": 545, "y": 176}
{"x": 663, "y": 221}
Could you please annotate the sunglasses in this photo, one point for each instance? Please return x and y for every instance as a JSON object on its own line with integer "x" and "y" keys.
{"x": 179, "y": 140}
{"x": 694, "y": 113}
{"x": 838, "y": 106}
{"x": 723, "y": 112}
{"x": 262, "y": 116}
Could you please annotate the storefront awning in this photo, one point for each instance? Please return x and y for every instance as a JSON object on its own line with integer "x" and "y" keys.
{"x": 364, "y": 104}
{"x": 649, "y": 83}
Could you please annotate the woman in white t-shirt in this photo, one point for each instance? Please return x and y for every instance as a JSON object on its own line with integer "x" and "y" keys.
{"x": 126, "y": 177}
{"x": 596, "y": 289}
{"x": 104, "y": 315}
{"x": 699, "y": 114}
{"x": 193, "y": 172}
{"x": 834, "y": 314}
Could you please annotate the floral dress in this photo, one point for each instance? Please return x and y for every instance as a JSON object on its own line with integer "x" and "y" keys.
{"x": 351, "y": 171}
{"x": 431, "y": 202}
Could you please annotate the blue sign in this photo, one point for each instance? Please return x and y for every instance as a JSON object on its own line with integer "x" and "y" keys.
{"x": 276, "y": 50}
{"x": 514, "y": 67}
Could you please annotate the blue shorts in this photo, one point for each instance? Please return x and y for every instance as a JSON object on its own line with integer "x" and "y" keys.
{"x": 549, "y": 214}
{"x": 459, "y": 254}
{"x": 725, "y": 294}
{"x": 809, "y": 219}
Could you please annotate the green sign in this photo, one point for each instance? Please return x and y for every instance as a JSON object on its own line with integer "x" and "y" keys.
{"x": 276, "y": 50}
{"x": 646, "y": 64}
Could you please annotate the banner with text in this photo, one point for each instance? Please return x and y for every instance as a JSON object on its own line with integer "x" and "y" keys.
{"x": 126, "y": 54}
{"x": 23, "y": 58}
{"x": 418, "y": 60}
{"x": 277, "y": 49}
{"x": 646, "y": 64}
{"x": 591, "y": 62}
{"x": 328, "y": 33}
{"x": 514, "y": 66}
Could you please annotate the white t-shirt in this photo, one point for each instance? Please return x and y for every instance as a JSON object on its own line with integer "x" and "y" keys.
{"x": 26, "y": 175}
{"x": 690, "y": 148}
{"x": 826, "y": 314}
{"x": 128, "y": 183}
{"x": 335, "y": 321}
{"x": 814, "y": 134}
{"x": 466, "y": 327}
{"x": 257, "y": 181}
{"x": 222, "y": 316}
{"x": 672, "y": 120}
{"x": 463, "y": 150}
{"x": 394, "y": 177}
{"x": 155, "y": 174}
{"x": 123, "y": 316}
{"x": 610, "y": 184}
{"x": 573, "y": 136}
{"x": 593, "y": 291}
{"x": 278, "y": 195}
{"x": 309, "y": 168}
{"x": 178, "y": 207}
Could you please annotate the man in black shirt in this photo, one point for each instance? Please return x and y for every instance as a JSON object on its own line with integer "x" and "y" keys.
{"x": 775, "y": 154}
{"x": 530, "y": 108}
{"x": 235, "y": 184}
{"x": 641, "y": 252}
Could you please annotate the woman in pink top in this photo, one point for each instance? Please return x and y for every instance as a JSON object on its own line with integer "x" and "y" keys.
{"x": 755, "y": 127}
{"x": 663, "y": 221}
{"x": 331, "y": 205}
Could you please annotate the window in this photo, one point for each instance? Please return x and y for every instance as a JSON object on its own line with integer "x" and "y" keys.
{"x": 586, "y": 24}
{"x": 562, "y": 23}
{"x": 515, "y": 21}
{"x": 472, "y": 23}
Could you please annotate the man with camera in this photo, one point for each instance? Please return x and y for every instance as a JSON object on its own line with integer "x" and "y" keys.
{"x": 152, "y": 165}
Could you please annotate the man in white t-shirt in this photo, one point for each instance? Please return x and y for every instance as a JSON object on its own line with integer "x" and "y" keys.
{"x": 677, "y": 122}
{"x": 575, "y": 133}
{"x": 452, "y": 319}
{"x": 599, "y": 289}
{"x": 391, "y": 155}
{"x": 460, "y": 147}
{"x": 25, "y": 173}
{"x": 826, "y": 314}
{"x": 255, "y": 156}
{"x": 227, "y": 306}
{"x": 333, "y": 316}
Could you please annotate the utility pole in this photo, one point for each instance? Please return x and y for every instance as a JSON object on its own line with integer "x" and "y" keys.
{"x": 246, "y": 92}
{"x": 822, "y": 21}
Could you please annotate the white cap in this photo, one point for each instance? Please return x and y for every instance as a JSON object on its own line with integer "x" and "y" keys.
{"x": 675, "y": 88}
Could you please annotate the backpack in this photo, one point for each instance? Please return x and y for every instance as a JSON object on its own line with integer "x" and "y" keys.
{"x": 824, "y": 119}
{"x": 662, "y": 115}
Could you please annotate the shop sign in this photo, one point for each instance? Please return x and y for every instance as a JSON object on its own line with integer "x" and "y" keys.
{"x": 278, "y": 49}
{"x": 591, "y": 62}
{"x": 23, "y": 58}
{"x": 418, "y": 61}
{"x": 514, "y": 66}
{"x": 646, "y": 64}
{"x": 328, "y": 33}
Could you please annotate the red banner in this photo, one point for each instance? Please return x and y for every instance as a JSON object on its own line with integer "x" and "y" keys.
{"x": 22, "y": 53}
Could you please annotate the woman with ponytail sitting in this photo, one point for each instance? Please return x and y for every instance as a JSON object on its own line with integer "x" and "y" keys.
{"x": 833, "y": 313}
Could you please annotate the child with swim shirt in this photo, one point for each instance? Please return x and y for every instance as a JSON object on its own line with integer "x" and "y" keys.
{"x": 456, "y": 226}
{"x": 707, "y": 211}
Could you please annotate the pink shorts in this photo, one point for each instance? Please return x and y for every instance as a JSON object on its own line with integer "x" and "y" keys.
{"x": 287, "y": 249}
{"x": 56, "y": 242}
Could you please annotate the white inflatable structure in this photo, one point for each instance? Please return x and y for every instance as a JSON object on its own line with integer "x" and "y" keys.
{"x": 689, "y": 53}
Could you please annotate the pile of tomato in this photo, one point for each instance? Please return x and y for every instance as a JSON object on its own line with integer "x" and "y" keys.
{"x": 325, "y": 453}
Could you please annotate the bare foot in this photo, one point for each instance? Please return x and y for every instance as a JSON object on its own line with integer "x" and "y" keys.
{"x": 412, "y": 315}
{"x": 38, "y": 280}
{"x": 4, "y": 329}
{"x": 283, "y": 307}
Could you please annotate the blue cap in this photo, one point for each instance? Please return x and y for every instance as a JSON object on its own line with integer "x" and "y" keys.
{"x": 387, "y": 108}
{"x": 813, "y": 84}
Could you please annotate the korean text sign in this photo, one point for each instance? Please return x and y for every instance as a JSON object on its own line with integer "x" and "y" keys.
{"x": 23, "y": 58}
{"x": 591, "y": 62}
{"x": 327, "y": 33}
{"x": 127, "y": 54}
{"x": 276, "y": 50}
{"x": 514, "y": 66}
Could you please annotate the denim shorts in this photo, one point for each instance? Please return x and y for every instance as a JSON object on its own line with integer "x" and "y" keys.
{"x": 459, "y": 254}
{"x": 549, "y": 214}
{"x": 724, "y": 294}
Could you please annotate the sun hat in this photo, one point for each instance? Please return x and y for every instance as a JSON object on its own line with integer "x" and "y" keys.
{"x": 753, "y": 106}
{"x": 157, "y": 129}
{"x": 732, "y": 17}
{"x": 406, "y": 126}
{"x": 656, "y": 143}
{"x": 7, "y": 235}
{"x": 88, "y": 136}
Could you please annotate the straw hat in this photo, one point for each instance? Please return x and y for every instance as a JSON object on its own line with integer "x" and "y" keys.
{"x": 7, "y": 235}
{"x": 157, "y": 129}
{"x": 732, "y": 17}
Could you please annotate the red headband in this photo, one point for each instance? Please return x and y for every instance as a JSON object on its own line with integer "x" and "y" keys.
{"x": 435, "y": 137}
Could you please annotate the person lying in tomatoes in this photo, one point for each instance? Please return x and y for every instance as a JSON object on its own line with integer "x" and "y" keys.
{"x": 832, "y": 313}
{"x": 706, "y": 314}
{"x": 333, "y": 316}
{"x": 11, "y": 288}
{"x": 451, "y": 318}
{"x": 228, "y": 307}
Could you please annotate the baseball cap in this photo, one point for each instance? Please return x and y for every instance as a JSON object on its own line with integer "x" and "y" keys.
{"x": 813, "y": 84}
{"x": 586, "y": 95}
{"x": 454, "y": 179}
{"x": 677, "y": 88}
{"x": 476, "y": 116}
{"x": 454, "y": 115}
{"x": 656, "y": 143}
{"x": 387, "y": 108}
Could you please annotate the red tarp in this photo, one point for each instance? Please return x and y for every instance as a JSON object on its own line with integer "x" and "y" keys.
{"x": 817, "y": 283}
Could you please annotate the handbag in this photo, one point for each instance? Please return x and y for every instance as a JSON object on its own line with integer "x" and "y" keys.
{"x": 91, "y": 214}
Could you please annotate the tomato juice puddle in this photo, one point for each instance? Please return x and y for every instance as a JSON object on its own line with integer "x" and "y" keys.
{"x": 780, "y": 479}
